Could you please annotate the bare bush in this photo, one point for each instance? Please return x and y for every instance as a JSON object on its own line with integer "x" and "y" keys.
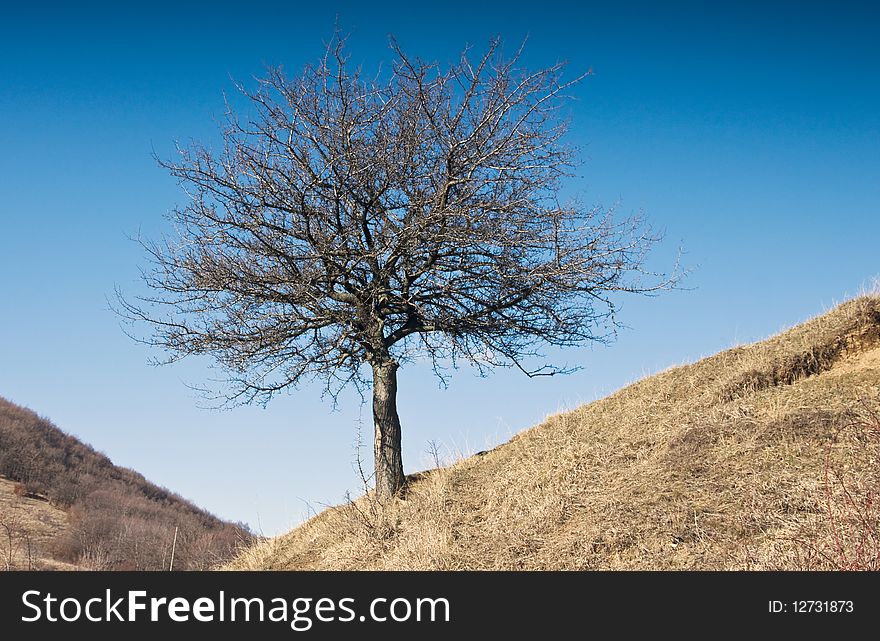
{"x": 17, "y": 548}
{"x": 850, "y": 536}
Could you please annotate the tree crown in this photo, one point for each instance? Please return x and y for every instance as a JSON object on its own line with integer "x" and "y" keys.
{"x": 352, "y": 221}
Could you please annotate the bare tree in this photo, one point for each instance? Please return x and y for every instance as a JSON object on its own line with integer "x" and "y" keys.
{"x": 351, "y": 224}
{"x": 18, "y": 540}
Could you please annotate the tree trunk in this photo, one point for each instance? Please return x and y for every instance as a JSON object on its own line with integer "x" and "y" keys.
{"x": 389, "y": 462}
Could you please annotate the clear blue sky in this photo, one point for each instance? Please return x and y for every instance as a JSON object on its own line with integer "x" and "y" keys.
{"x": 749, "y": 132}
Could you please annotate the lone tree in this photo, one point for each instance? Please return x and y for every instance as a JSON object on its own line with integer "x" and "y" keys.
{"x": 352, "y": 224}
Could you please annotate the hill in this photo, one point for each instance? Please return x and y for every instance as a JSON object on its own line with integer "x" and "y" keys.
{"x": 63, "y": 504}
{"x": 761, "y": 457}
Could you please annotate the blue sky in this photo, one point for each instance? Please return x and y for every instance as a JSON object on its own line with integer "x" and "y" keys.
{"x": 748, "y": 132}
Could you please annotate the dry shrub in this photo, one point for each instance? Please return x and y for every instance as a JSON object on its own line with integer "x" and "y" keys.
{"x": 848, "y": 537}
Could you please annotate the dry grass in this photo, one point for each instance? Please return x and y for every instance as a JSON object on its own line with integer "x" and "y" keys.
{"x": 721, "y": 464}
{"x": 27, "y": 527}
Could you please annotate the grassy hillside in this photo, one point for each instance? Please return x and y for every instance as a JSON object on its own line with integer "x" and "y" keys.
{"x": 28, "y": 525}
{"x": 762, "y": 456}
{"x": 64, "y": 504}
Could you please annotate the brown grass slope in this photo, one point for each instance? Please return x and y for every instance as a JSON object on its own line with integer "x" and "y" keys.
{"x": 756, "y": 457}
{"x": 28, "y": 526}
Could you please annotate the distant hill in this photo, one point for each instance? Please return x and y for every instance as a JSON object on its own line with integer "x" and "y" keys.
{"x": 764, "y": 456}
{"x": 63, "y": 504}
